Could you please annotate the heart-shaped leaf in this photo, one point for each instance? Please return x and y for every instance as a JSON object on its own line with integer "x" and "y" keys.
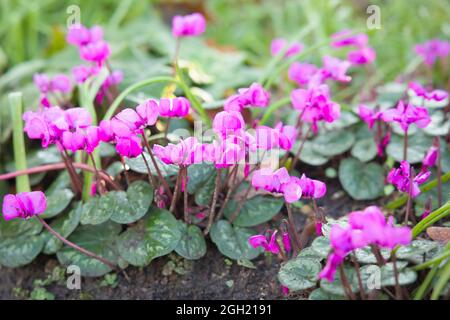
{"x": 335, "y": 287}
{"x": 232, "y": 241}
{"x": 364, "y": 149}
{"x": 416, "y": 250}
{"x": 255, "y": 211}
{"x": 331, "y": 144}
{"x": 99, "y": 239}
{"x": 57, "y": 201}
{"x": 362, "y": 181}
{"x": 198, "y": 175}
{"x": 405, "y": 275}
{"x": 320, "y": 294}
{"x": 308, "y": 155}
{"x": 64, "y": 225}
{"x": 417, "y": 147}
{"x": 156, "y": 235}
{"x": 192, "y": 245}
{"x": 137, "y": 164}
{"x": 321, "y": 246}
{"x": 99, "y": 209}
{"x": 365, "y": 255}
{"x": 299, "y": 274}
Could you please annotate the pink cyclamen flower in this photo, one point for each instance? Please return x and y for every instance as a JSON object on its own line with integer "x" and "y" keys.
{"x": 253, "y": 96}
{"x": 80, "y": 36}
{"x": 23, "y": 205}
{"x": 361, "y": 56}
{"x": 336, "y": 69}
{"x": 420, "y": 91}
{"x": 346, "y": 38}
{"x": 126, "y": 122}
{"x": 286, "y": 242}
{"x": 286, "y": 135}
{"x": 407, "y": 114}
{"x": 279, "y": 44}
{"x": 401, "y": 179}
{"x": 59, "y": 83}
{"x": 129, "y": 146}
{"x": 228, "y": 122}
{"x": 81, "y": 73}
{"x": 430, "y": 157}
{"x": 174, "y": 108}
{"x": 97, "y": 52}
{"x": 302, "y": 73}
{"x": 433, "y": 49}
{"x": 311, "y": 188}
{"x": 262, "y": 241}
{"x": 148, "y": 111}
{"x": 186, "y": 152}
{"x": 279, "y": 182}
{"x": 369, "y": 115}
{"x": 189, "y": 25}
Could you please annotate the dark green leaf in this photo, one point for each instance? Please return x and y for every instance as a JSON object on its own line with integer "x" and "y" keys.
{"x": 192, "y": 245}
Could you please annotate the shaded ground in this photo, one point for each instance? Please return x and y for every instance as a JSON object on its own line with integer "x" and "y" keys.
{"x": 212, "y": 277}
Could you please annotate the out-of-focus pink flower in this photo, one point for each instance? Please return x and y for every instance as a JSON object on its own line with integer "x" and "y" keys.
{"x": 174, "y": 108}
{"x": 319, "y": 228}
{"x": 189, "y": 25}
{"x": 186, "y": 152}
{"x": 363, "y": 55}
{"x": 81, "y": 73}
{"x": 311, "y": 188}
{"x": 262, "y": 241}
{"x": 383, "y": 143}
{"x": 401, "y": 179}
{"x": 129, "y": 146}
{"x": 285, "y": 290}
{"x": 23, "y": 205}
{"x": 420, "y": 91}
{"x": 73, "y": 141}
{"x": 59, "y": 83}
{"x": 228, "y": 122}
{"x": 433, "y": 49}
{"x": 333, "y": 262}
{"x": 279, "y": 44}
{"x": 287, "y": 135}
{"x": 335, "y": 69}
{"x": 369, "y": 115}
{"x": 97, "y": 52}
{"x": 80, "y": 36}
{"x": 148, "y": 111}
{"x": 346, "y": 38}
{"x": 253, "y": 96}
{"x": 302, "y": 73}
{"x": 42, "y": 82}
{"x": 106, "y": 133}
{"x": 286, "y": 242}
{"x": 430, "y": 157}
{"x": 406, "y": 115}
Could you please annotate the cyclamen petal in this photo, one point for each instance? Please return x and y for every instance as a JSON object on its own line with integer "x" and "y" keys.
{"x": 302, "y": 73}
{"x": 361, "y": 56}
{"x": 228, "y": 122}
{"x": 97, "y": 52}
{"x": 189, "y": 25}
{"x": 23, "y": 205}
{"x": 346, "y": 38}
{"x": 279, "y": 44}
{"x": 176, "y": 107}
{"x": 148, "y": 111}
{"x": 129, "y": 146}
{"x": 430, "y": 157}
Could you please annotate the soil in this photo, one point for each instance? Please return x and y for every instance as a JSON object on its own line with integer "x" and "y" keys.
{"x": 212, "y": 277}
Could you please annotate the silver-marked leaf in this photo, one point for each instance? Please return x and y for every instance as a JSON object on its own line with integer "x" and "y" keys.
{"x": 320, "y": 294}
{"x": 198, "y": 175}
{"x": 308, "y": 155}
{"x": 299, "y": 274}
{"x": 64, "y": 225}
{"x": 137, "y": 164}
{"x": 362, "y": 181}
{"x": 232, "y": 241}
{"x": 417, "y": 250}
{"x": 139, "y": 197}
{"x": 439, "y": 126}
{"x": 333, "y": 143}
{"x": 310, "y": 253}
{"x": 365, "y": 255}
{"x": 57, "y": 201}
{"x": 321, "y": 245}
{"x": 405, "y": 275}
{"x": 99, "y": 209}
{"x": 418, "y": 145}
{"x": 255, "y": 211}
{"x": 192, "y": 245}
{"x": 364, "y": 149}
{"x": 99, "y": 239}
{"x": 335, "y": 287}
{"x": 156, "y": 235}
{"x": 205, "y": 192}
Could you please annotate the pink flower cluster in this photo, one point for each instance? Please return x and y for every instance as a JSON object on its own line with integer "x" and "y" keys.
{"x": 58, "y": 84}
{"x": 90, "y": 43}
{"x": 23, "y": 205}
{"x": 254, "y": 96}
{"x": 270, "y": 245}
{"x": 291, "y": 187}
{"x": 279, "y": 44}
{"x": 280, "y": 136}
{"x": 420, "y": 91}
{"x": 432, "y": 50}
{"x": 367, "y": 227}
{"x": 404, "y": 180}
{"x": 186, "y": 152}
{"x": 189, "y": 25}
{"x": 125, "y": 126}
{"x": 70, "y": 129}
{"x": 363, "y": 54}
{"x": 314, "y": 105}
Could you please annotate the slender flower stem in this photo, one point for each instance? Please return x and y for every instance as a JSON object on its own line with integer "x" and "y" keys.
{"x": 439, "y": 172}
{"x": 293, "y": 228}
{"x": 297, "y": 155}
{"x": 155, "y": 164}
{"x": 76, "y": 183}
{"x": 348, "y": 291}
{"x": 175, "y": 193}
{"x": 358, "y": 275}
{"x": 185, "y": 196}
{"x": 97, "y": 176}
{"x": 398, "y": 290}
{"x": 405, "y": 146}
{"x": 213, "y": 203}
{"x": 298, "y": 127}
{"x": 377, "y": 253}
{"x": 149, "y": 173}
{"x": 58, "y": 166}
{"x": 409, "y": 203}
{"x": 76, "y": 247}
